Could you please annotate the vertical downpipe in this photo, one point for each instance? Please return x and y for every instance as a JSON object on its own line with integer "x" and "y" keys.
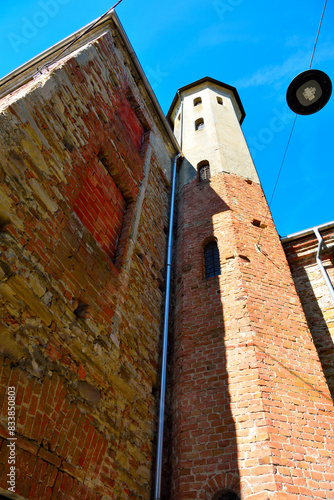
{"x": 181, "y": 135}
{"x": 319, "y": 262}
{"x": 157, "y": 490}
{"x": 164, "y": 340}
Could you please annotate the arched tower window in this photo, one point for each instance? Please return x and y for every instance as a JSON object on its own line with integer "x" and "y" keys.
{"x": 199, "y": 124}
{"x": 219, "y": 100}
{"x": 211, "y": 259}
{"x": 197, "y": 101}
{"x": 203, "y": 171}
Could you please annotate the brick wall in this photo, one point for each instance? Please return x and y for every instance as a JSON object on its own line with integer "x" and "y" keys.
{"x": 251, "y": 411}
{"x": 84, "y": 195}
{"x": 314, "y": 294}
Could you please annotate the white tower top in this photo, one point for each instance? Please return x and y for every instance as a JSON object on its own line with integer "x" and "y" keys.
{"x": 206, "y": 117}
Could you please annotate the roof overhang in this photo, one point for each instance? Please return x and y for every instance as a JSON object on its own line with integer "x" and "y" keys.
{"x": 307, "y": 232}
{"x": 200, "y": 82}
{"x": 28, "y": 71}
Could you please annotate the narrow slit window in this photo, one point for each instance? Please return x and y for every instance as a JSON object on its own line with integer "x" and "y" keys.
{"x": 211, "y": 259}
{"x": 220, "y": 100}
{"x": 199, "y": 124}
{"x": 203, "y": 171}
{"x": 197, "y": 101}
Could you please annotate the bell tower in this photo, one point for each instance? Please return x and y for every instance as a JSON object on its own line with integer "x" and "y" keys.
{"x": 206, "y": 117}
{"x": 252, "y": 416}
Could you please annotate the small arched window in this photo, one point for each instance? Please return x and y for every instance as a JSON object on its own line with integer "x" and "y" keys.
{"x": 197, "y": 101}
{"x": 199, "y": 124}
{"x": 203, "y": 171}
{"x": 211, "y": 259}
{"x": 219, "y": 100}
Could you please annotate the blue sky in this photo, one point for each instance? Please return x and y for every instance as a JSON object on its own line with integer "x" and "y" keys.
{"x": 255, "y": 45}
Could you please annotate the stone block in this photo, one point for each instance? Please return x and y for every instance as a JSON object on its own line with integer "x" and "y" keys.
{"x": 27, "y": 296}
{"x": 89, "y": 392}
{"x": 9, "y": 346}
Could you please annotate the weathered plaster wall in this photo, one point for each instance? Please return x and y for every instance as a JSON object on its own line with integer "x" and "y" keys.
{"x": 85, "y": 171}
{"x": 314, "y": 294}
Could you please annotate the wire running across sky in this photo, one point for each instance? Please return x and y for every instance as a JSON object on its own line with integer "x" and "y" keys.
{"x": 316, "y": 40}
{"x": 291, "y": 132}
{"x": 90, "y": 28}
{"x": 46, "y": 65}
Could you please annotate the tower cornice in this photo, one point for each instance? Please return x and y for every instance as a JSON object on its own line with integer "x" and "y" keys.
{"x": 200, "y": 82}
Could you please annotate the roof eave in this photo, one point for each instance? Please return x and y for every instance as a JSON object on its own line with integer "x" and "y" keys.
{"x": 307, "y": 232}
{"x": 199, "y": 82}
{"x": 27, "y": 71}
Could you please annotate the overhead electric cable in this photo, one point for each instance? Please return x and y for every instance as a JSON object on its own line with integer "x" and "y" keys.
{"x": 293, "y": 126}
{"x": 316, "y": 40}
{"x": 285, "y": 152}
{"x": 90, "y": 28}
{"x": 278, "y": 176}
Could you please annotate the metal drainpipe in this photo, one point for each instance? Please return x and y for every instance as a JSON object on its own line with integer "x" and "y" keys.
{"x": 319, "y": 262}
{"x": 181, "y": 134}
{"x": 157, "y": 490}
{"x": 164, "y": 340}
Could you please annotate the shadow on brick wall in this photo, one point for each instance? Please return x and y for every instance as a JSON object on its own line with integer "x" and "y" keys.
{"x": 200, "y": 437}
{"x": 316, "y": 322}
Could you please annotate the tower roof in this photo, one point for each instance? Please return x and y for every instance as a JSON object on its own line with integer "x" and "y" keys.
{"x": 216, "y": 82}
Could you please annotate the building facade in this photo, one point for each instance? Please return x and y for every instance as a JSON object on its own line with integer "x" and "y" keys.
{"x": 252, "y": 414}
{"x": 311, "y": 262}
{"x": 86, "y": 167}
{"x": 86, "y": 162}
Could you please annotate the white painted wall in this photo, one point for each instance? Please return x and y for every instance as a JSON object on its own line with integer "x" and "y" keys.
{"x": 221, "y": 141}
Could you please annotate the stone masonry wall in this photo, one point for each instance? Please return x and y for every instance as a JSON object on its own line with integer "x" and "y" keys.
{"x": 314, "y": 294}
{"x": 251, "y": 410}
{"x": 84, "y": 171}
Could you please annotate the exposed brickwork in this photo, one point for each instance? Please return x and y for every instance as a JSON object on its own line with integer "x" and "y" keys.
{"x": 83, "y": 175}
{"x": 84, "y": 169}
{"x": 314, "y": 294}
{"x": 75, "y": 448}
{"x": 100, "y": 206}
{"x": 251, "y": 410}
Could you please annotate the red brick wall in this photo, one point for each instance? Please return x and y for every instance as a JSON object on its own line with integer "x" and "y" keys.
{"x": 100, "y": 206}
{"x": 80, "y": 276}
{"x": 314, "y": 294}
{"x": 58, "y": 446}
{"x": 250, "y": 407}
{"x": 134, "y": 128}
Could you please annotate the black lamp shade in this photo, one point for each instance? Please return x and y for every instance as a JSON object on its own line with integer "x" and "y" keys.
{"x": 309, "y": 92}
